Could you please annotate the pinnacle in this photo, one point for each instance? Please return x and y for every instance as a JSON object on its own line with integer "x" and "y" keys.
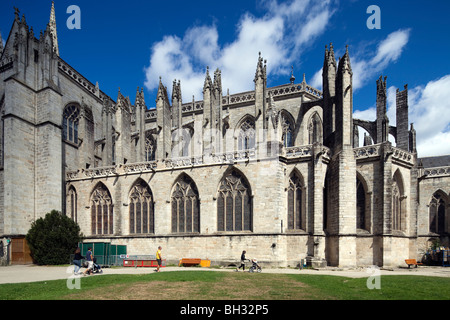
{"x": 52, "y": 25}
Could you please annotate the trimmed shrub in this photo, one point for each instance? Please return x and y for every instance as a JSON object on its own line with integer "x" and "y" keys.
{"x": 52, "y": 239}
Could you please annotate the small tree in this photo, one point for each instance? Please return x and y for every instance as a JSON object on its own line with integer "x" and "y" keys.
{"x": 52, "y": 239}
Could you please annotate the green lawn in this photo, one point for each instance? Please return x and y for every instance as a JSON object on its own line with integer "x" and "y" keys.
{"x": 207, "y": 285}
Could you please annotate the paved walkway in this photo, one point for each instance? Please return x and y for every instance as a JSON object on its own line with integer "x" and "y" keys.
{"x": 32, "y": 273}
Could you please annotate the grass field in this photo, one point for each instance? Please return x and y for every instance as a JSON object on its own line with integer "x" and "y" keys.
{"x": 196, "y": 285}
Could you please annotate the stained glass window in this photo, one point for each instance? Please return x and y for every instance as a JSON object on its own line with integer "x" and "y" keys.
{"x": 185, "y": 206}
{"x": 234, "y": 204}
{"x": 70, "y": 123}
{"x": 141, "y": 209}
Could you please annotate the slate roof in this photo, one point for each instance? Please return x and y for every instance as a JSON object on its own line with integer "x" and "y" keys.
{"x": 432, "y": 162}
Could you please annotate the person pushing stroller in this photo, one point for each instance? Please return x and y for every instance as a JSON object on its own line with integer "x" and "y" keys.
{"x": 243, "y": 259}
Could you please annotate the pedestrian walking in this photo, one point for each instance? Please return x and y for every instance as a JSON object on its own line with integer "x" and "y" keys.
{"x": 158, "y": 258}
{"x": 90, "y": 261}
{"x": 77, "y": 261}
{"x": 242, "y": 261}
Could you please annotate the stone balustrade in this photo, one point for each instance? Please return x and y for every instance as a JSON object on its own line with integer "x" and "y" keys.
{"x": 435, "y": 172}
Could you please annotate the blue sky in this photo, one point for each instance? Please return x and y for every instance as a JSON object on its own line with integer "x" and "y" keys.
{"x": 133, "y": 43}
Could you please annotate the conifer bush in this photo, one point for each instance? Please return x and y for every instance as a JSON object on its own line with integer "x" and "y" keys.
{"x": 52, "y": 239}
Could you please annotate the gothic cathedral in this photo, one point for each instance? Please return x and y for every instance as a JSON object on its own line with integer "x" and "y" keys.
{"x": 277, "y": 171}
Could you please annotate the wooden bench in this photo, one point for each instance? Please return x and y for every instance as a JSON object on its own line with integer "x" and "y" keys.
{"x": 412, "y": 262}
{"x": 189, "y": 262}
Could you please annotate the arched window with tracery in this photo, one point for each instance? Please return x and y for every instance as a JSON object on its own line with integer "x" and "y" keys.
{"x": 398, "y": 204}
{"x": 396, "y": 208}
{"x": 315, "y": 129}
{"x": 71, "y": 118}
{"x": 437, "y": 213}
{"x": 234, "y": 203}
{"x": 142, "y": 218}
{"x": 288, "y": 130}
{"x": 185, "y": 206}
{"x": 71, "y": 210}
{"x": 247, "y": 135}
{"x": 296, "y": 203}
{"x": 150, "y": 148}
{"x": 360, "y": 205}
{"x": 102, "y": 214}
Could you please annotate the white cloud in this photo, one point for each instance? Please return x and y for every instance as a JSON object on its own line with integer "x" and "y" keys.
{"x": 388, "y": 51}
{"x": 428, "y": 110}
{"x": 370, "y": 114}
{"x": 316, "y": 80}
{"x": 283, "y": 32}
{"x": 365, "y": 66}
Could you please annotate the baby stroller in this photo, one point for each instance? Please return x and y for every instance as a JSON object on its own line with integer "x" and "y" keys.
{"x": 255, "y": 266}
{"x": 96, "y": 267}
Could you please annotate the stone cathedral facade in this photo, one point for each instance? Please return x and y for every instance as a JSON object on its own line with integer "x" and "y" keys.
{"x": 276, "y": 171}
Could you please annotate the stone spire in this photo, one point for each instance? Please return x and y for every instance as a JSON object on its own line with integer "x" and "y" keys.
{"x": 52, "y": 25}
{"x": 344, "y": 62}
{"x": 162, "y": 92}
{"x": 292, "y": 79}
{"x": 217, "y": 80}
{"x": 329, "y": 55}
{"x": 207, "y": 85}
{"x": 261, "y": 70}
{"x": 329, "y": 92}
{"x": 382, "y": 120}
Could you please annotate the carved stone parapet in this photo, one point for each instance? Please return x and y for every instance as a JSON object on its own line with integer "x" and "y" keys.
{"x": 296, "y": 88}
{"x": 183, "y": 162}
{"x": 140, "y": 167}
{"x": 402, "y": 155}
{"x": 367, "y": 152}
{"x": 150, "y": 114}
{"x": 231, "y": 157}
{"x": 100, "y": 172}
{"x": 298, "y": 152}
{"x": 71, "y": 175}
{"x": 436, "y": 172}
{"x": 192, "y": 107}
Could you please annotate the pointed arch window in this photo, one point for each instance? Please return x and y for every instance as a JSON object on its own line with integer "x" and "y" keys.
{"x": 398, "y": 204}
{"x": 185, "y": 206}
{"x": 396, "y": 208}
{"x": 102, "y": 214}
{"x": 113, "y": 148}
{"x": 296, "y": 203}
{"x": 360, "y": 205}
{"x": 71, "y": 117}
{"x": 150, "y": 148}
{"x": 234, "y": 204}
{"x": 72, "y": 204}
{"x": 142, "y": 218}
{"x": 288, "y": 130}
{"x": 247, "y": 134}
{"x": 315, "y": 129}
{"x": 437, "y": 213}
